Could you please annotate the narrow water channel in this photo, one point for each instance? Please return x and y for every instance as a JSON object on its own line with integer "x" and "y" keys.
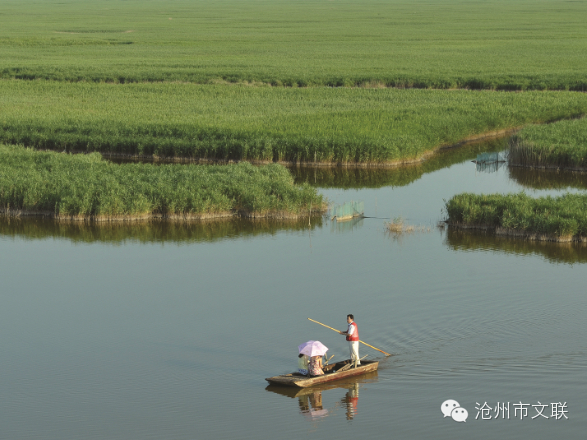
{"x": 161, "y": 330}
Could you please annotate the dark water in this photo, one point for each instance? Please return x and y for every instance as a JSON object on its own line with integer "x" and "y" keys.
{"x": 161, "y": 330}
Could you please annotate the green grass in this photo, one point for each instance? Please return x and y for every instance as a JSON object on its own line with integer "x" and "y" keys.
{"x": 86, "y": 186}
{"x": 562, "y": 144}
{"x": 252, "y": 123}
{"x": 362, "y": 177}
{"x": 494, "y": 44}
{"x": 561, "y": 216}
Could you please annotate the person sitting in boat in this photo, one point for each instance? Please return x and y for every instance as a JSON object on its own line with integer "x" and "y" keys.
{"x": 316, "y": 366}
{"x": 303, "y": 364}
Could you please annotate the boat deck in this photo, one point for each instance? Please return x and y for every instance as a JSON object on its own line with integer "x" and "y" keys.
{"x": 330, "y": 373}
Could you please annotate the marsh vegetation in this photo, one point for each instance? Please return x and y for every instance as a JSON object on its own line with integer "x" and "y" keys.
{"x": 562, "y": 218}
{"x": 216, "y": 122}
{"x": 87, "y": 187}
{"x": 562, "y": 144}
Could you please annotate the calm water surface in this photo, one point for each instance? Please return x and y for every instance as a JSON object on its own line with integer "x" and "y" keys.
{"x": 158, "y": 330}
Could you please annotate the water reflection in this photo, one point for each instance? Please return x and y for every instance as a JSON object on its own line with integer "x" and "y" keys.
{"x": 343, "y": 177}
{"x": 311, "y": 405}
{"x": 490, "y": 162}
{"x": 342, "y": 227}
{"x": 488, "y": 167}
{"x": 547, "y": 179}
{"x": 150, "y": 231}
{"x": 470, "y": 240}
{"x": 311, "y": 400}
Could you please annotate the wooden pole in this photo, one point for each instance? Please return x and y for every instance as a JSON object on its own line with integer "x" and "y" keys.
{"x": 338, "y": 331}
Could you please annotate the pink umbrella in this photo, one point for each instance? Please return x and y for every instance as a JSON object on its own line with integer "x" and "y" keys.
{"x": 313, "y": 348}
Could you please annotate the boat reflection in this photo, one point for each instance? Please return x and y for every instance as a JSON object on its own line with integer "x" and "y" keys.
{"x": 310, "y": 400}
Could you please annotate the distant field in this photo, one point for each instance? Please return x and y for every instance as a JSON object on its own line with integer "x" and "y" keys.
{"x": 494, "y": 44}
{"x": 260, "y": 123}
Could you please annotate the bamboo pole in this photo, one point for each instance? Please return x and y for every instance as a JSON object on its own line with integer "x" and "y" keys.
{"x": 338, "y": 331}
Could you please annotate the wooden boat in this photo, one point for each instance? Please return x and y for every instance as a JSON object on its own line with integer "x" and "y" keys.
{"x": 330, "y": 373}
{"x": 347, "y": 383}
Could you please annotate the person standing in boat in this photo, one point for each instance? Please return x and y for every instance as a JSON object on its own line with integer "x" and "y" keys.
{"x": 352, "y": 335}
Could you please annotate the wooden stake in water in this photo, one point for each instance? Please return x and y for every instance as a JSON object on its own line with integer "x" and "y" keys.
{"x": 338, "y": 331}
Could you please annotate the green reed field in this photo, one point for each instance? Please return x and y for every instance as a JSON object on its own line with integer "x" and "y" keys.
{"x": 562, "y": 144}
{"x": 85, "y": 186}
{"x": 562, "y": 216}
{"x": 368, "y": 177}
{"x": 481, "y": 44}
{"x": 263, "y": 123}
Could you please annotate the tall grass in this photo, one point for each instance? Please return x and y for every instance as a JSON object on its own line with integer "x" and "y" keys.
{"x": 494, "y": 44}
{"x": 85, "y": 186}
{"x": 561, "y": 216}
{"x": 361, "y": 177}
{"x": 295, "y": 125}
{"x": 562, "y": 144}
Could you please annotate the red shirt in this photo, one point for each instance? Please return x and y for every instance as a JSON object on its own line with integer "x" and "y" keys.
{"x": 352, "y": 332}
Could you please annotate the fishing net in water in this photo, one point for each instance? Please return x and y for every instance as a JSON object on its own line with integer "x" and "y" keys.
{"x": 490, "y": 157}
{"x": 347, "y": 211}
{"x": 490, "y": 162}
{"x": 488, "y": 167}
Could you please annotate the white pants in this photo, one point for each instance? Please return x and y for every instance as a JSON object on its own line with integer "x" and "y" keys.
{"x": 354, "y": 350}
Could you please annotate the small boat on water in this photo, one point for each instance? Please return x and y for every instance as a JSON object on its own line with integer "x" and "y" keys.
{"x": 331, "y": 372}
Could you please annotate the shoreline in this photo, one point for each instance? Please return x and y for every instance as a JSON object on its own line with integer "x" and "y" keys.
{"x": 494, "y": 134}
{"x": 549, "y": 167}
{"x": 520, "y": 233}
{"x": 102, "y": 219}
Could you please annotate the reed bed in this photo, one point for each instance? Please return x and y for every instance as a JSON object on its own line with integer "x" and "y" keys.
{"x": 398, "y": 226}
{"x": 562, "y": 218}
{"x": 87, "y": 187}
{"x": 446, "y": 44}
{"x": 562, "y": 144}
{"x": 354, "y": 177}
{"x": 215, "y": 122}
